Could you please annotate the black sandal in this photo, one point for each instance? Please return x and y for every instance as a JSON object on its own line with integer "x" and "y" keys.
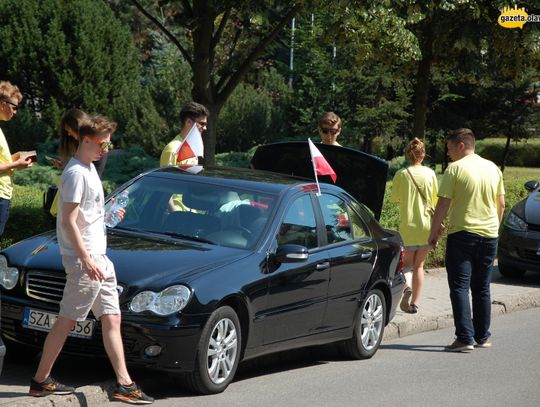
{"x": 413, "y": 309}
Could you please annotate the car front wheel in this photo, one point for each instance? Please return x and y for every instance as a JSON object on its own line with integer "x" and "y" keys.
{"x": 368, "y": 328}
{"x": 218, "y": 353}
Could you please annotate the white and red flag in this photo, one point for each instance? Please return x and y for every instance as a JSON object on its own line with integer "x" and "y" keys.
{"x": 192, "y": 146}
{"x": 320, "y": 165}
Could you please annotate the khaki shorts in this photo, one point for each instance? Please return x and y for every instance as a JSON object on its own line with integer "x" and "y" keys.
{"x": 81, "y": 294}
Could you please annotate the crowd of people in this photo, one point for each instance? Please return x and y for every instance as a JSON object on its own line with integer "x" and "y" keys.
{"x": 470, "y": 194}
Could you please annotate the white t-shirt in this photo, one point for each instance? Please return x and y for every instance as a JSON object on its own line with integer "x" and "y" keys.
{"x": 80, "y": 184}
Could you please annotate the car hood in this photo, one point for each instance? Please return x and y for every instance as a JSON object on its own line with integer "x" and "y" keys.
{"x": 361, "y": 175}
{"x": 139, "y": 261}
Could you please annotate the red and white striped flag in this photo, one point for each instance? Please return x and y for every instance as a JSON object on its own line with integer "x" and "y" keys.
{"x": 192, "y": 146}
{"x": 320, "y": 165}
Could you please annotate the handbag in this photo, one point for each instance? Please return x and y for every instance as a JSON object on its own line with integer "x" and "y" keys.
{"x": 430, "y": 209}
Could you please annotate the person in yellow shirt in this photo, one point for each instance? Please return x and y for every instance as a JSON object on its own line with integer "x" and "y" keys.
{"x": 472, "y": 193}
{"x": 10, "y": 97}
{"x": 415, "y": 189}
{"x": 191, "y": 113}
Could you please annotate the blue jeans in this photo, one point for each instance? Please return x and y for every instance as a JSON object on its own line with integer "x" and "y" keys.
{"x": 4, "y": 214}
{"x": 469, "y": 263}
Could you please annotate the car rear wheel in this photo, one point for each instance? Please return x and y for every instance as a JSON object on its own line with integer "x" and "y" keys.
{"x": 218, "y": 353}
{"x": 510, "y": 272}
{"x": 368, "y": 328}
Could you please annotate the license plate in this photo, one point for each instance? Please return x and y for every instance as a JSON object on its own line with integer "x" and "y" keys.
{"x": 43, "y": 321}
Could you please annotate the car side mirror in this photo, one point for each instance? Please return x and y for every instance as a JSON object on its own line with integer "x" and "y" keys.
{"x": 291, "y": 253}
{"x": 532, "y": 185}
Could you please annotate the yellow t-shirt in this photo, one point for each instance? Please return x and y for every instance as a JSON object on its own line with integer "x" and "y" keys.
{"x": 170, "y": 153}
{"x": 415, "y": 221}
{"x": 6, "y": 177}
{"x": 473, "y": 184}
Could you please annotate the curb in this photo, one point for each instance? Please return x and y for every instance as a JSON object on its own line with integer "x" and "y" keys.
{"x": 413, "y": 326}
{"x": 89, "y": 395}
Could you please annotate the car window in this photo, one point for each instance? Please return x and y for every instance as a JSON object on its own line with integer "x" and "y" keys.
{"x": 227, "y": 216}
{"x": 336, "y": 218}
{"x": 299, "y": 225}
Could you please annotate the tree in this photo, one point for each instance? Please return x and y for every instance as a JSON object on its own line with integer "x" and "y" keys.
{"x": 75, "y": 53}
{"x": 220, "y": 40}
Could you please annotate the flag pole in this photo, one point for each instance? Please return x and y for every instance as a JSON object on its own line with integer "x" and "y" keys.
{"x": 314, "y": 170}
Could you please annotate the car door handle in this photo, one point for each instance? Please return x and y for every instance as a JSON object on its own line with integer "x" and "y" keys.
{"x": 366, "y": 255}
{"x": 322, "y": 266}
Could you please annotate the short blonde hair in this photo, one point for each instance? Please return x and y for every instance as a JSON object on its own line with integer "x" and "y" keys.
{"x": 9, "y": 91}
{"x": 415, "y": 150}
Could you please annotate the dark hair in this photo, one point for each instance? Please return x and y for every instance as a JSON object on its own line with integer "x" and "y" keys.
{"x": 69, "y": 132}
{"x": 193, "y": 110}
{"x": 462, "y": 135}
{"x": 415, "y": 150}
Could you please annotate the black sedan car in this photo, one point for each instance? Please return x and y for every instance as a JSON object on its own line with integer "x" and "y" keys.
{"x": 519, "y": 243}
{"x": 219, "y": 265}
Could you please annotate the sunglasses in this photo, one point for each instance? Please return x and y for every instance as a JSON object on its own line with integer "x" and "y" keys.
{"x": 13, "y": 105}
{"x": 104, "y": 145}
{"x": 329, "y": 131}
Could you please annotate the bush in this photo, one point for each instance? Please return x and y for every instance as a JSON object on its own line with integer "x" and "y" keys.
{"x": 522, "y": 154}
{"x": 26, "y": 217}
{"x": 122, "y": 165}
{"x": 38, "y": 176}
{"x": 235, "y": 159}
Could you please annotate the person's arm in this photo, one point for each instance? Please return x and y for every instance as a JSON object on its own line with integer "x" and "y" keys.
{"x": 443, "y": 204}
{"x": 18, "y": 162}
{"x": 69, "y": 222}
{"x": 501, "y": 204}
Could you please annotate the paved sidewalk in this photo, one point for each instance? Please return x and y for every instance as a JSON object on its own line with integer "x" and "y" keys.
{"x": 435, "y": 312}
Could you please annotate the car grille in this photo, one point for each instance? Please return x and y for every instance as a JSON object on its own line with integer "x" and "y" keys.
{"x": 45, "y": 286}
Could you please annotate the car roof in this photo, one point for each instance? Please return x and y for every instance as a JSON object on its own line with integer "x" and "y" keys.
{"x": 246, "y": 178}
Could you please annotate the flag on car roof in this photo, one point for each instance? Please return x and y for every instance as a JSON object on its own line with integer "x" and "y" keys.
{"x": 320, "y": 165}
{"x": 192, "y": 146}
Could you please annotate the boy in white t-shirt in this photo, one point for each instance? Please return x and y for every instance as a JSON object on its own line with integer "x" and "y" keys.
{"x": 90, "y": 277}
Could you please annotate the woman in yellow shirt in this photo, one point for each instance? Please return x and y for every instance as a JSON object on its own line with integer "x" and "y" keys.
{"x": 415, "y": 189}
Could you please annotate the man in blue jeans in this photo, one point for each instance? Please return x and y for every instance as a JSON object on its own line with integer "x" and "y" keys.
{"x": 472, "y": 193}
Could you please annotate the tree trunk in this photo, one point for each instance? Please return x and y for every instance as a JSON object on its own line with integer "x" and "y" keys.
{"x": 421, "y": 89}
{"x": 506, "y": 150}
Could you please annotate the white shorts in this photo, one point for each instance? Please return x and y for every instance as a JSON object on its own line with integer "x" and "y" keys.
{"x": 81, "y": 294}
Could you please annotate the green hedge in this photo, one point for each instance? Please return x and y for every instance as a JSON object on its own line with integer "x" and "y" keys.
{"x": 524, "y": 153}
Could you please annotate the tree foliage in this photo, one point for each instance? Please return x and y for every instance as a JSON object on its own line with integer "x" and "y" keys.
{"x": 76, "y": 53}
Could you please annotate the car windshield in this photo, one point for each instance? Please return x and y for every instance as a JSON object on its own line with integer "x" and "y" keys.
{"x": 196, "y": 211}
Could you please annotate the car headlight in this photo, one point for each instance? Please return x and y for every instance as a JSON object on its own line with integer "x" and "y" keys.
{"x": 8, "y": 275}
{"x": 170, "y": 300}
{"x": 515, "y": 222}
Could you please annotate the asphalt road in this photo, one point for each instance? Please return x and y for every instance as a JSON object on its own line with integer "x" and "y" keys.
{"x": 412, "y": 371}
